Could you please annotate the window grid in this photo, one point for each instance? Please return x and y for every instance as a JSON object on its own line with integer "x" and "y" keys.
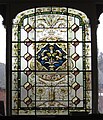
{"x": 53, "y": 44}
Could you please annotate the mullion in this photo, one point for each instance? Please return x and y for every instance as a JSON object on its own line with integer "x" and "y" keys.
{"x": 75, "y": 50}
{"x": 50, "y": 42}
{"x": 52, "y": 71}
{"x": 19, "y": 67}
{"x": 27, "y": 52}
{"x": 68, "y": 62}
{"x": 84, "y": 68}
{"x": 35, "y": 56}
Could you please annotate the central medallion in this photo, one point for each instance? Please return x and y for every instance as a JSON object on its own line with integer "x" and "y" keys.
{"x": 51, "y": 56}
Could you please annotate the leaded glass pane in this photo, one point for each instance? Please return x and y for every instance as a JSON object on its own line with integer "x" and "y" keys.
{"x": 51, "y": 62}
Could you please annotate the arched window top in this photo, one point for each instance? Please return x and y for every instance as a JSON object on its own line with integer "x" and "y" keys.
{"x": 79, "y": 14}
{"x": 57, "y": 10}
{"x": 23, "y": 14}
{"x": 79, "y": 17}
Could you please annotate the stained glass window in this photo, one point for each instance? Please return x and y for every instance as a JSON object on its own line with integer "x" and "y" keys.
{"x": 51, "y": 62}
